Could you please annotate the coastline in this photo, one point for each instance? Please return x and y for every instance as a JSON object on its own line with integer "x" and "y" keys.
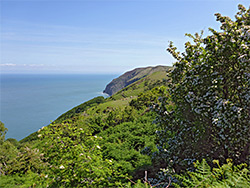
{"x": 29, "y": 102}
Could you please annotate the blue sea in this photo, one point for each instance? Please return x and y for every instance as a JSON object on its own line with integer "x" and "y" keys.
{"x": 28, "y": 102}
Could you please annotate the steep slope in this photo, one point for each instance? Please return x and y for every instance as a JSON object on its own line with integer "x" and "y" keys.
{"x": 122, "y": 121}
{"x": 130, "y": 77}
{"x": 153, "y": 77}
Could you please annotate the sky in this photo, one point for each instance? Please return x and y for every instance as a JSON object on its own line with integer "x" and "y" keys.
{"x": 100, "y": 36}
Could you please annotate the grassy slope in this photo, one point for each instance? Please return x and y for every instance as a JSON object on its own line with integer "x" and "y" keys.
{"x": 120, "y": 100}
{"x": 144, "y": 84}
{"x": 131, "y": 77}
{"x": 125, "y": 129}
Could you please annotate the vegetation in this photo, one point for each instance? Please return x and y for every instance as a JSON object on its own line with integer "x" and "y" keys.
{"x": 3, "y": 131}
{"x": 131, "y": 77}
{"x": 210, "y": 90}
{"x": 108, "y": 134}
{"x": 227, "y": 175}
{"x": 199, "y": 138}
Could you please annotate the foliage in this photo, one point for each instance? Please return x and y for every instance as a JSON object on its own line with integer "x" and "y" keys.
{"x": 147, "y": 98}
{"x": 19, "y": 167}
{"x": 125, "y": 130}
{"x": 21, "y": 181}
{"x": 26, "y": 160}
{"x": 223, "y": 176}
{"x": 75, "y": 158}
{"x": 110, "y": 117}
{"x": 210, "y": 89}
{"x": 13, "y": 141}
{"x": 124, "y": 144}
{"x": 7, "y": 152}
{"x": 3, "y": 131}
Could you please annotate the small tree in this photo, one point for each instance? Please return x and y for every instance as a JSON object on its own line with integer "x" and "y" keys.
{"x": 210, "y": 89}
{"x": 3, "y": 131}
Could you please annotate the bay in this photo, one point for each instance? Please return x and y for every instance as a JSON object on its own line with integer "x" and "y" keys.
{"x": 28, "y": 102}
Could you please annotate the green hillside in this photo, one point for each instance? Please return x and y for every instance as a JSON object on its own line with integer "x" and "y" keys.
{"x": 122, "y": 120}
{"x": 186, "y": 128}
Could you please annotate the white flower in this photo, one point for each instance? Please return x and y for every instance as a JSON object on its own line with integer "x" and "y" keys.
{"x": 165, "y": 113}
{"x": 215, "y": 120}
{"x": 98, "y": 147}
{"x": 40, "y": 129}
{"x": 46, "y": 176}
{"x": 61, "y": 167}
{"x": 39, "y": 135}
{"x": 110, "y": 161}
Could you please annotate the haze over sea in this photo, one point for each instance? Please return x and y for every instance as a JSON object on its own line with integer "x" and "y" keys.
{"x": 31, "y": 101}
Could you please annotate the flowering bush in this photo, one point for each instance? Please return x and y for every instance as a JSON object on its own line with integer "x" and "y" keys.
{"x": 210, "y": 90}
{"x": 75, "y": 158}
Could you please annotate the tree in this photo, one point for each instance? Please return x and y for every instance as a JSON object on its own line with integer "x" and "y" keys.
{"x": 210, "y": 90}
{"x": 3, "y": 131}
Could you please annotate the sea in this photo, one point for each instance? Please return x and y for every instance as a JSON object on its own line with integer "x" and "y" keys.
{"x": 31, "y": 101}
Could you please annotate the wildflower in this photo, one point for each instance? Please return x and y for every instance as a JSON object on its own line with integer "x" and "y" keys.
{"x": 61, "y": 167}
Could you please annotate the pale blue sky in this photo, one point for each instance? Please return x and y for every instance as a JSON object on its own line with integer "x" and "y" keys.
{"x": 100, "y": 36}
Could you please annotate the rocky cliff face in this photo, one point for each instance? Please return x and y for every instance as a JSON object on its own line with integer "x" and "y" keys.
{"x": 130, "y": 77}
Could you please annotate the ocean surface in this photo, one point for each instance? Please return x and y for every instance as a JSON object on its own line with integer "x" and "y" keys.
{"x": 28, "y": 102}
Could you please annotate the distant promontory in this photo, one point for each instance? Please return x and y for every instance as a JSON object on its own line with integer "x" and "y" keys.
{"x": 130, "y": 77}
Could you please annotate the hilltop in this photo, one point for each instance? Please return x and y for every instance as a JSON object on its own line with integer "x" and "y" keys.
{"x": 130, "y": 77}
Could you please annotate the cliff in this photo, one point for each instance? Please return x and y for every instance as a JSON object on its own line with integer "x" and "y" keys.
{"x": 130, "y": 77}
